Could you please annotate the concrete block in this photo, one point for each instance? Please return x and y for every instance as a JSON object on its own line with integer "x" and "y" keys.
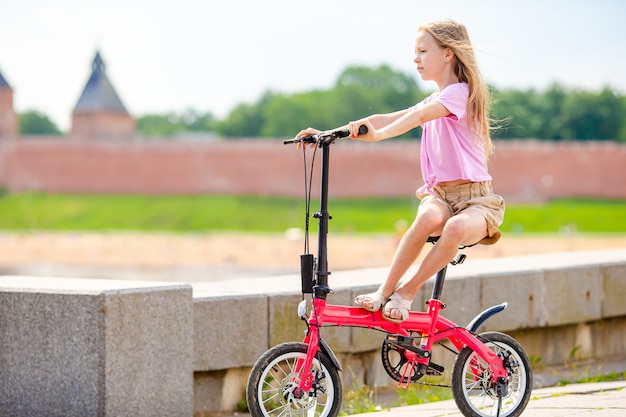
{"x": 73, "y": 347}
{"x": 525, "y": 295}
{"x": 354, "y": 371}
{"x": 286, "y": 326}
{"x": 573, "y": 295}
{"x": 376, "y": 376}
{"x": 609, "y": 338}
{"x": 207, "y": 391}
{"x": 461, "y": 297}
{"x": 216, "y": 391}
{"x": 229, "y": 331}
{"x": 284, "y": 323}
{"x": 548, "y": 345}
{"x": 364, "y": 340}
{"x": 614, "y": 303}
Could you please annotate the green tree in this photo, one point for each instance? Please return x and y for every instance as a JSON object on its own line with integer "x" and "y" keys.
{"x": 157, "y": 125}
{"x": 244, "y": 120}
{"x": 34, "y": 122}
{"x": 549, "y": 113}
{"x": 358, "y": 92}
{"x": 395, "y": 90}
{"x": 170, "y": 124}
{"x": 589, "y": 116}
{"x": 554, "y": 114}
{"x": 515, "y": 113}
{"x": 192, "y": 121}
{"x": 621, "y": 136}
{"x": 559, "y": 114}
{"x": 283, "y": 115}
{"x": 287, "y": 115}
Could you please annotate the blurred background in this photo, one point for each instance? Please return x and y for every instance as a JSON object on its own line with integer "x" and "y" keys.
{"x": 141, "y": 140}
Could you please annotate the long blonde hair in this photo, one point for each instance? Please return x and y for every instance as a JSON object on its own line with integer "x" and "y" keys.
{"x": 452, "y": 35}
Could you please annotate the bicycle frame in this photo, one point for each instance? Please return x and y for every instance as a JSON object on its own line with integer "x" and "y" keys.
{"x": 429, "y": 325}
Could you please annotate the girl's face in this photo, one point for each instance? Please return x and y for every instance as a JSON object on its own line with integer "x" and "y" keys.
{"x": 430, "y": 58}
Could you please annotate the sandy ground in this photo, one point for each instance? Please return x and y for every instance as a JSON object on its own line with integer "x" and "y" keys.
{"x": 219, "y": 256}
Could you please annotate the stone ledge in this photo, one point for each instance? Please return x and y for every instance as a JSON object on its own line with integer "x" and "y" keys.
{"x": 365, "y": 278}
{"x": 541, "y": 290}
{"x": 79, "y": 347}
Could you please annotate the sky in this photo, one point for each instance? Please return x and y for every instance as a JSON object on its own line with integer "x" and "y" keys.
{"x": 166, "y": 56}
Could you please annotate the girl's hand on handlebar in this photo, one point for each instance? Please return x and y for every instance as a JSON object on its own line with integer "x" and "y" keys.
{"x": 354, "y": 130}
{"x": 307, "y": 132}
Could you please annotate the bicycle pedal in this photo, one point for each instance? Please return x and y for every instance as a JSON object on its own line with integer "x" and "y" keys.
{"x": 459, "y": 260}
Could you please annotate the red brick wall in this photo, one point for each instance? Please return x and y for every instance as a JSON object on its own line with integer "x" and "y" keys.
{"x": 523, "y": 171}
{"x": 533, "y": 171}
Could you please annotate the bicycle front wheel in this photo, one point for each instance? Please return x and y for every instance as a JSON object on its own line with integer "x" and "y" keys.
{"x": 273, "y": 382}
{"x": 472, "y": 386}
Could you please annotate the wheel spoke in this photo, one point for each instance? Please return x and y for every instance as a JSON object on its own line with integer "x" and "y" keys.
{"x": 494, "y": 408}
{"x": 274, "y": 381}
{"x": 472, "y": 379}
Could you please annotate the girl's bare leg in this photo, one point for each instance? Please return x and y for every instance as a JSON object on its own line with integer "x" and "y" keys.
{"x": 429, "y": 220}
{"x": 465, "y": 228}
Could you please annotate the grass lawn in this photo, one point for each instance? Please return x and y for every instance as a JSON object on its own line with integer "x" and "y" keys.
{"x": 29, "y": 211}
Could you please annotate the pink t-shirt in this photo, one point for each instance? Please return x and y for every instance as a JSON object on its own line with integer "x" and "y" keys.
{"x": 450, "y": 150}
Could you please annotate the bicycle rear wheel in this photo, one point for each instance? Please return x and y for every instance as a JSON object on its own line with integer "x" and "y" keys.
{"x": 472, "y": 388}
{"x": 273, "y": 382}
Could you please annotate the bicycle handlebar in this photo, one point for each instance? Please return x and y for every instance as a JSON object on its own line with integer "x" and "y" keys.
{"x": 325, "y": 138}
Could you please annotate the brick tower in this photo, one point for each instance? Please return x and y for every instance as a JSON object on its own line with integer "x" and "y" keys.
{"x": 8, "y": 118}
{"x": 99, "y": 113}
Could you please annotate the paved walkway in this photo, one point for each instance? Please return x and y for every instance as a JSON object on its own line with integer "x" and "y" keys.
{"x": 600, "y": 399}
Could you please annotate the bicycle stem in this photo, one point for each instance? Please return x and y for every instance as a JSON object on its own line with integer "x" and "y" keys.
{"x": 323, "y": 216}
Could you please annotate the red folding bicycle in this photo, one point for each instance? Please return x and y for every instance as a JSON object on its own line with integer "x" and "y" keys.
{"x": 491, "y": 375}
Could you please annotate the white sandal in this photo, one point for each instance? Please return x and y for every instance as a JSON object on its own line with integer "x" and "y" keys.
{"x": 401, "y": 304}
{"x": 376, "y": 298}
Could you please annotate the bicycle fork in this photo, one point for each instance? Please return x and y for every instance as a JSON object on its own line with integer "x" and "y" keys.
{"x": 308, "y": 381}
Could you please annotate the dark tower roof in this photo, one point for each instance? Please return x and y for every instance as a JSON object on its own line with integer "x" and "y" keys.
{"x": 3, "y": 82}
{"x": 99, "y": 93}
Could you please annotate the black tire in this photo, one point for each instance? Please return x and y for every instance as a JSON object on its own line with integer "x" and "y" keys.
{"x": 473, "y": 392}
{"x": 269, "y": 391}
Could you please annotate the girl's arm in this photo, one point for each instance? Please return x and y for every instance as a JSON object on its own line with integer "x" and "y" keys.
{"x": 379, "y": 121}
{"x": 375, "y": 121}
{"x": 390, "y": 125}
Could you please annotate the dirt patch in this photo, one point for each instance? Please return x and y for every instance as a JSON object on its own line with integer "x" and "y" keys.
{"x": 227, "y": 255}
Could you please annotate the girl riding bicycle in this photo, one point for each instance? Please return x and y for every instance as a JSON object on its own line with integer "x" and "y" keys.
{"x": 457, "y": 200}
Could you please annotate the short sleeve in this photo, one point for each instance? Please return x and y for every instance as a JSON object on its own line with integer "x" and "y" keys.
{"x": 454, "y": 98}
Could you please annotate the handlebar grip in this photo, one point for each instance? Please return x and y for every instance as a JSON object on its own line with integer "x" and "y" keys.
{"x": 346, "y": 132}
{"x": 305, "y": 139}
{"x": 342, "y": 133}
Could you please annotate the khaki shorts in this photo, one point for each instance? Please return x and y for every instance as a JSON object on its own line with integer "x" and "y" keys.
{"x": 476, "y": 196}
